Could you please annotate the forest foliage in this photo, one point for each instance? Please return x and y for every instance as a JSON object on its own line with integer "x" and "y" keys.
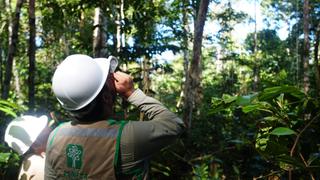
{"x": 252, "y": 107}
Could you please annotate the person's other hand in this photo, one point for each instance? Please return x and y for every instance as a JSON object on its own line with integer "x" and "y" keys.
{"x": 123, "y": 84}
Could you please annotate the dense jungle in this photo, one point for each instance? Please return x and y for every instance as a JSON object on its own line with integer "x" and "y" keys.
{"x": 243, "y": 75}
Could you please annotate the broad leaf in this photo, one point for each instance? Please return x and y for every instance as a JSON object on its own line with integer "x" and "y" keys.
{"x": 270, "y": 93}
{"x": 282, "y": 131}
{"x": 244, "y": 100}
{"x": 261, "y": 106}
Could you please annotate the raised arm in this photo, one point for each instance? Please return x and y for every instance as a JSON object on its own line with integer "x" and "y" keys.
{"x": 140, "y": 139}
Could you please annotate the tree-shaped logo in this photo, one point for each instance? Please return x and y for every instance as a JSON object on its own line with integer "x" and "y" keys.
{"x": 74, "y": 154}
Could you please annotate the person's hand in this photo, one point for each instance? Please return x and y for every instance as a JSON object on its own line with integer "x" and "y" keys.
{"x": 123, "y": 84}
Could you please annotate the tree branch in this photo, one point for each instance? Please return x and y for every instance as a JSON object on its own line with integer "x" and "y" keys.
{"x": 305, "y": 163}
{"x": 299, "y": 135}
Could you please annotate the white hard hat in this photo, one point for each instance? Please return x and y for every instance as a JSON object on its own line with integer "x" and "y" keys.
{"x": 80, "y": 78}
{"x": 23, "y": 131}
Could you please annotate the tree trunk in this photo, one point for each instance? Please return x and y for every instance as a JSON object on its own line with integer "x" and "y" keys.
{"x": 185, "y": 46}
{"x": 120, "y": 43}
{"x": 193, "y": 85}
{"x": 1, "y": 62}
{"x": 306, "y": 46}
{"x": 13, "y": 41}
{"x": 146, "y": 80}
{"x": 32, "y": 54}
{"x": 256, "y": 69}
{"x": 17, "y": 84}
{"x": 82, "y": 22}
{"x": 118, "y": 27}
{"x": 316, "y": 59}
{"x": 98, "y": 37}
{"x": 1, "y": 45}
{"x": 122, "y": 18}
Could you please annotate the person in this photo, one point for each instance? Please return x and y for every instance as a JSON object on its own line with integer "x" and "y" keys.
{"x": 27, "y": 135}
{"x": 93, "y": 145}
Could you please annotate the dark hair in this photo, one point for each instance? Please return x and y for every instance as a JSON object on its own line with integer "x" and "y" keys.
{"x": 101, "y": 108}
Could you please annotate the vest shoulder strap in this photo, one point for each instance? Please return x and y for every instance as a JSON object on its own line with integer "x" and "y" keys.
{"x": 53, "y": 134}
{"x": 117, "y": 163}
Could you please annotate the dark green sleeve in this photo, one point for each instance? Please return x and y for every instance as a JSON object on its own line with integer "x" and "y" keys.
{"x": 140, "y": 139}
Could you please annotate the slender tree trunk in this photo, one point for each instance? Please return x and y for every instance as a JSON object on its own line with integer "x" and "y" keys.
{"x": 81, "y": 22}
{"x": 7, "y": 13}
{"x": 12, "y": 49}
{"x": 17, "y": 84}
{"x": 7, "y": 4}
{"x": 316, "y": 60}
{"x": 306, "y": 46}
{"x": 185, "y": 46}
{"x": 118, "y": 29}
{"x": 305, "y": 59}
{"x": 32, "y": 54}
{"x": 193, "y": 85}
{"x": 119, "y": 45}
{"x": 146, "y": 80}
{"x": 98, "y": 37}
{"x": 2, "y": 5}
{"x": 122, "y": 18}
{"x": 256, "y": 69}
{"x": 1, "y": 63}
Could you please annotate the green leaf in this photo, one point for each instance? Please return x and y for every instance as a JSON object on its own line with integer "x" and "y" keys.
{"x": 313, "y": 157}
{"x": 4, "y": 157}
{"x": 8, "y": 111}
{"x": 244, "y": 100}
{"x": 261, "y": 106}
{"x": 290, "y": 160}
{"x": 262, "y": 140}
{"x": 250, "y": 108}
{"x": 228, "y": 99}
{"x": 270, "y": 93}
{"x": 271, "y": 118}
{"x": 282, "y": 131}
{"x": 236, "y": 169}
{"x": 236, "y": 141}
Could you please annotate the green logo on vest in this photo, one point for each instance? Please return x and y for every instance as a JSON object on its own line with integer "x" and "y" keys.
{"x": 74, "y": 154}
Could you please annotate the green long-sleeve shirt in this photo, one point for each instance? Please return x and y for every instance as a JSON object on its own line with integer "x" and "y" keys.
{"x": 140, "y": 139}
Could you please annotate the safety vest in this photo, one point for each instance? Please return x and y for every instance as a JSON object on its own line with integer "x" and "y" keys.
{"x": 85, "y": 151}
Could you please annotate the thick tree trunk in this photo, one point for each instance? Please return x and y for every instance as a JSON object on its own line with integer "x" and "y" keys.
{"x": 32, "y": 54}
{"x": 98, "y": 36}
{"x": 316, "y": 60}
{"x": 12, "y": 49}
{"x": 306, "y": 46}
{"x": 193, "y": 97}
